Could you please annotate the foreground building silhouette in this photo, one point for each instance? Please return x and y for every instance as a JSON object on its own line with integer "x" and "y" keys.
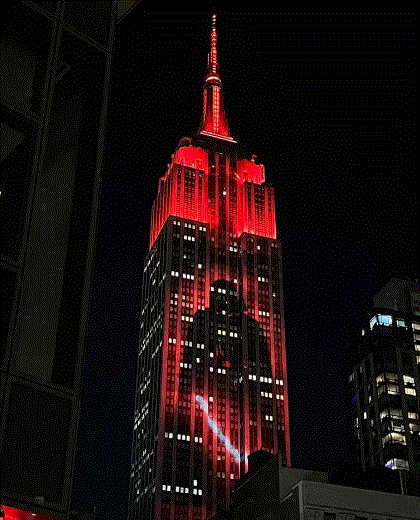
{"x": 211, "y": 380}
{"x": 271, "y": 491}
{"x": 56, "y": 70}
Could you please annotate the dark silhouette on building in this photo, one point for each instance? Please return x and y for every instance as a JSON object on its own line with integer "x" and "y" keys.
{"x": 211, "y": 380}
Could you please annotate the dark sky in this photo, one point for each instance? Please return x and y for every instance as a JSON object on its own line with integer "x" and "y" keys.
{"x": 325, "y": 101}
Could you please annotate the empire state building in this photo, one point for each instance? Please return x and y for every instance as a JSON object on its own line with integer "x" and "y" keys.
{"x": 211, "y": 378}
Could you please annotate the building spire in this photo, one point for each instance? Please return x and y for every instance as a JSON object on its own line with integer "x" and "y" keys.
{"x": 213, "y": 66}
{"x": 214, "y": 120}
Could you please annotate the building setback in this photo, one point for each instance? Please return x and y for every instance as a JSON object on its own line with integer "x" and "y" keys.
{"x": 211, "y": 379}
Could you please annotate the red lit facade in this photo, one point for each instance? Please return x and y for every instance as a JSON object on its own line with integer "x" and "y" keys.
{"x": 211, "y": 379}
{"x": 12, "y": 513}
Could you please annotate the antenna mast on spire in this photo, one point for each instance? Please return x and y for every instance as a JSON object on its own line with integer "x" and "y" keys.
{"x": 214, "y": 120}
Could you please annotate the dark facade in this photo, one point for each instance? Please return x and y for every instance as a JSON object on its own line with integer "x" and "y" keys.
{"x": 385, "y": 383}
{"x": 56, "y": 63}
{"x": 270, "y": 491}
{"x": 211, "y": 379}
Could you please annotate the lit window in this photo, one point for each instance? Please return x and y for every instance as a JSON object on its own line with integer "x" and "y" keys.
{"x": 408, "y": 380}
{"x": 397, "y": 464}
{"x": 373, "y": 322}
{"x": 401, "y": 323}
{"x": 413, "y": 415}
{"x": 393, "y": 389}
{"x": 384, "y": 319}
{"x": 393, "y": 437}
{"x": 410, "y": 391}
{"x": 416, "y": 326}
{"x": 414, "y": 427}
{"x": 396, "y": 427}
{"x": 381, "y": 390}
{"x": 391, "y": 377}
{"x": 395, "y": 413}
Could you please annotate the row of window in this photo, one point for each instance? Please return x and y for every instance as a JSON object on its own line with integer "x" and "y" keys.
{"x": 187, "y": 318}
{"x": 395, "y": 390}
{"x": 189, "y": 226}
{"x": 180, "y": 489}
{"x": 186, "y": 276}
{"x": 387, "y": 320}
{"x": 397, "y": 414}
{"x": 183, "y": 437}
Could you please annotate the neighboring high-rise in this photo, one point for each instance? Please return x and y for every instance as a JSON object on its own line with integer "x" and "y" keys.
{"x": 56, "y": 63}
{"x": 211, "y": 380}
{"x": 385, "y": 383}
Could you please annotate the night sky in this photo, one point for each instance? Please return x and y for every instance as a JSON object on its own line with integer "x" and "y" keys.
{"x": 326, "y": 102}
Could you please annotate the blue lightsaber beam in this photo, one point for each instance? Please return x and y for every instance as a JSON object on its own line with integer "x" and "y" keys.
{"x": 213, "y": 425}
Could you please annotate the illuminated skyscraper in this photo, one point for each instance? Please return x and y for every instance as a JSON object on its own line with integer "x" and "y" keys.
{"x": 211, "y": 379}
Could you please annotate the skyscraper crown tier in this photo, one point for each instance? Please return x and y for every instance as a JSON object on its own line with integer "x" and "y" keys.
{"x": 211, "y": 178}
{"x": 215, "y": 188}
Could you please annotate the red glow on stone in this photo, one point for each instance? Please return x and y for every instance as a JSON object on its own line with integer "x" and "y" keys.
{"x": 18, "y": 514}
{"x": 179, "y": 196}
